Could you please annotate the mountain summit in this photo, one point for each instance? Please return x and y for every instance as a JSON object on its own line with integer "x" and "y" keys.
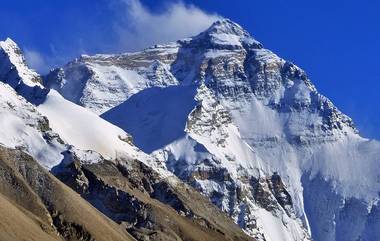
{"x": 226, "y": 33}
{"x": 13, "y": 66}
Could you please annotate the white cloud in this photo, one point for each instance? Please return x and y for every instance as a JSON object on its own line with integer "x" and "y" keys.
{"x": 132, "y": 26}
{"x": 43, "y": 63}
{"x": 35, "y": 60}
{"x": 140, "y": 27}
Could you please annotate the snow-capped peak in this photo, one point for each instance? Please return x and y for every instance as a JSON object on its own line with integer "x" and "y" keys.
{"x": 13, "y": 67}
{"x": 227, "y": 26}
{"x": 224, "y": 33}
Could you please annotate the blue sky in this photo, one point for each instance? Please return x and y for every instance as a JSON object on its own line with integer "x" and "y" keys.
{"x": 336, "y": 42}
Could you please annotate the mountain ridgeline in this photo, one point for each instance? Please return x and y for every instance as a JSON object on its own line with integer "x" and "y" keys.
{"x": 212, "y": 137}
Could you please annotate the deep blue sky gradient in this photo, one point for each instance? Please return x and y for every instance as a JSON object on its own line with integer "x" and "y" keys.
{"x": 336, "y": 42}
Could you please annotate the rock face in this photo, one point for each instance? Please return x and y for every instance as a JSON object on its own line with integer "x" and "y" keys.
{"x": 148, "y": 206}
{"x": 36, "y": 206}
{"x": 246, "y": 128}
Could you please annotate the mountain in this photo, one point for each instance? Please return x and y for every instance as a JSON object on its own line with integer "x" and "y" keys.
{"x": 44, "y": 135}
{"x": 244, "y": 127}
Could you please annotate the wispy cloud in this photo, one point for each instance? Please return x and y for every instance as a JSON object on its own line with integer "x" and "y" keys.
{"x": 129, "y": 26}
{"x": 42, "y": 62}
{"x": 35, "y": 60}
{"x": 141, "y": 27}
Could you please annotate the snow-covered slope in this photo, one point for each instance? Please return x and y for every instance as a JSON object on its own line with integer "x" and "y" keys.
{"x": 85, "y": 130}
{"x": 23, "y": 127}
{"x": 44, "y": 124}
{"x": 101, "y": 82}
{"x": 245, "y": 127}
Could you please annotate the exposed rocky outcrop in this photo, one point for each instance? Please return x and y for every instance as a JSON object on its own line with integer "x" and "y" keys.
{"x": 43, "y": 208}
{"x": 149, "y": 206}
